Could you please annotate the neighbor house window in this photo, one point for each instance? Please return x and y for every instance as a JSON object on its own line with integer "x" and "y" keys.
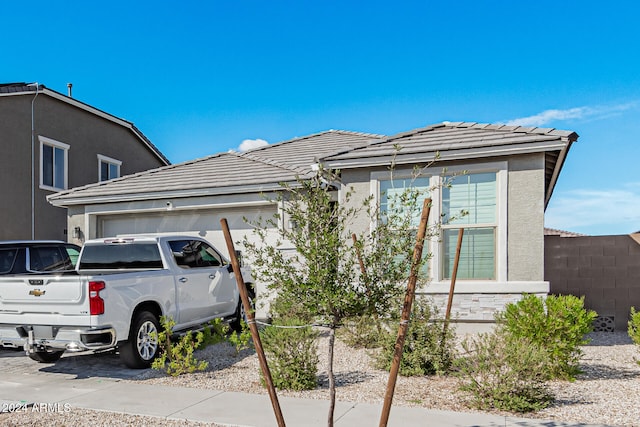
{"x": 108, "y": 168}
{"x": 470, "y": 203}
{"x": 53, "y": 164}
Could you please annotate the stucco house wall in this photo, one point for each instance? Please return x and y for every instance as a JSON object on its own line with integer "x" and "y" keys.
{"x": 86, "y": 131}
{"x": 520, "y": 247}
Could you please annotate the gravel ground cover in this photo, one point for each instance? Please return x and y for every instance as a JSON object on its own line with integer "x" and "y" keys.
{"x": 608, "y": 392}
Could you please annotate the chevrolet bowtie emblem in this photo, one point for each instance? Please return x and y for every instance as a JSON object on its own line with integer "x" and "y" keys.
{"x": 37, "y": 292}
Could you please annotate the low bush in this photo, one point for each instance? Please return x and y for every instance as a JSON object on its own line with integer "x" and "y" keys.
{"x": 634, "y": 327}
{"x": 176, "y": 358}
{"x": 291, "y": 349}
{"x": 428, "y": 348}
{"x": 506, "y": 373}
{"x": 558, "y": 324}
{"x": 363, "y": 332}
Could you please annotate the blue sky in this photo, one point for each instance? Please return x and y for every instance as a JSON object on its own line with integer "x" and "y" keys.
{"x": 200, "y": 77}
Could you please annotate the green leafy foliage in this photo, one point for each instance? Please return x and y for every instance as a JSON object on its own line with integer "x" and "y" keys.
{"x": 176, "y": 358}
{"x": 365, "y": 331}
{"x": 506, "y": 373}
{"x": 330, "y": 277}
{"x": 634, "y": 327}
{"x": 428, "y": 346}
{"x": 292, "y": 353}
{"x": 241, "y": 339}
{"x": 558, "y": 324}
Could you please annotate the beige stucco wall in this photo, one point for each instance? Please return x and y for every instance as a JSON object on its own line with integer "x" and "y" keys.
{"x": 526, "y": 218}
{"x": 522, "y": 261}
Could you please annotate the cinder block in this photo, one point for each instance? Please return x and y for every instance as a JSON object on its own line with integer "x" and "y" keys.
{"x": 602, "y": 261}
{"x": 633, "y": 271}
{"x": 605, "y": 240}
{"x": 591, "y": 250}
{"x": 591, "y": 272}
{"x": 605, "y": 283}
{"x": 626, "y": 260}
{"x": 618, "y": 250}
{"x": 579, "y": 261}
{"x": 580, "y": 283}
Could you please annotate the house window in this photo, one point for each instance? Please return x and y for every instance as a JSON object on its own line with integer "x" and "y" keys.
{"x": 53, "y": 164}
{"x": 108, "y": 168}
{"x": 392, "y": 193}
{"x": 475, "y": 195}
{"x": 403, "y": 198}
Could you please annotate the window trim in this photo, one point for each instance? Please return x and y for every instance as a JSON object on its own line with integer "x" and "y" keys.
{"x": 110, "y": 161}
{"x": 436, "y": 247}
{"x": 55, "y": 144}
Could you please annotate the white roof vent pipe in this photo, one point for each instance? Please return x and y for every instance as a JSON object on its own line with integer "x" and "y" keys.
{"x": 69, "y": 86}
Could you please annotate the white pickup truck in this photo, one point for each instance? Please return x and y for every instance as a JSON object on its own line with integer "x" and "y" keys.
{"x": 116, "y": 295}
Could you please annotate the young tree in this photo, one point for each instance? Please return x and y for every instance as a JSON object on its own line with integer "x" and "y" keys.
{"x": 324, "y": 277}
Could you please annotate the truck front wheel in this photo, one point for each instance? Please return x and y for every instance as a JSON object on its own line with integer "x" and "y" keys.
{"x": 142, "y": 346}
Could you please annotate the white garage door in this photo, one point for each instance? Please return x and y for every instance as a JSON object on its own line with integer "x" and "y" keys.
{"x": 202, "y": 222}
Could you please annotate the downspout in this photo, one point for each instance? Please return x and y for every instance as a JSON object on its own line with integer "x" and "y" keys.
{"x": 33, "y": 165}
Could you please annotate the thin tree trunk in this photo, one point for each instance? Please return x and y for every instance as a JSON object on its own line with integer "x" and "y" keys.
{"x": 332, "y": 383}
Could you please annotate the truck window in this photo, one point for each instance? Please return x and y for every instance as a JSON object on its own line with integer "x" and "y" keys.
{"x": 49, "y": 258}
{"x": 7, "y": 258}
{"x": 73, "y": 254}
{"x": 121, "y": 256}
{"x": 194, "y": 254}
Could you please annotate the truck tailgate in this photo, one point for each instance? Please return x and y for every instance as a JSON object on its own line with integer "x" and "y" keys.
{"x": 41, "y": 297}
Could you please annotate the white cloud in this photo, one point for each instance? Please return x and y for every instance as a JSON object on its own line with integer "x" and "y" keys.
{"x": 596, "y": 212}
{"x": 250, "y": 144}
{"x": 548, "y": 116}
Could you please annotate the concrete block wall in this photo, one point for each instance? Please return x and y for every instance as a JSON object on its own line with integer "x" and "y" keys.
{"x": 603, "y": 269}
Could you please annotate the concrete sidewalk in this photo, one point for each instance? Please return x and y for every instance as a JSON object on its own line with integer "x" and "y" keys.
{"x": 226, "y": 408}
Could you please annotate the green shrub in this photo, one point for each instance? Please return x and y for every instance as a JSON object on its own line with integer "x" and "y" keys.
{"x": 634, "y": 326}
{"x": 241, "y": 339}
{"x": 506, "y": 373}
{"x": 427, "y": 350}
{"x": 292, "y": 354}
{"x": 558, "y": 324}
{"x": 363, "y": 332}
{"x": 176, "y": 358}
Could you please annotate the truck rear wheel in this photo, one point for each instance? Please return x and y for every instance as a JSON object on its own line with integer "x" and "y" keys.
{"x": 240, "y": 315}
{"x": 142, "y": 346}
{"x": 46, "y": 356}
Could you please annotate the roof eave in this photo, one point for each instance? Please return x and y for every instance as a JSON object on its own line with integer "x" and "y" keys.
{"x": 449, "y": 155}
{"x": 67, "y": 201}
{"x": 558, "y": 167}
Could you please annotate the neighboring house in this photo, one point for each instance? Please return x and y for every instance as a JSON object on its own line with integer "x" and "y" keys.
{"x": 52, "y": 142}
{"x": 510, "y": 173}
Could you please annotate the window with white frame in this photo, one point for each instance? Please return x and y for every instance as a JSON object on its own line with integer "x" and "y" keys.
{"x": 108, "y": 168}
{"x": 53, "y": 164}
{"x": 403, "y": 198}
{"x": 475, "y": 194}
{"x": 392, "y": 193}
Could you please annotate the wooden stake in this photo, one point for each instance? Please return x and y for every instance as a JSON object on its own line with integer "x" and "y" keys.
{"x": 244, "y": 296}
{"x": 406, "y": 313}
{"x": 454, "y": 274}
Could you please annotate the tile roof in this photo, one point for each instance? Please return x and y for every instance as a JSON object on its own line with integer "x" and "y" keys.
{"x": 253, "y": 170}
{"x": 300, "y": 153}
{"x": 561, "y": 233}
{"x": 451, "y": 138}
{"x": 265, "y": 167}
